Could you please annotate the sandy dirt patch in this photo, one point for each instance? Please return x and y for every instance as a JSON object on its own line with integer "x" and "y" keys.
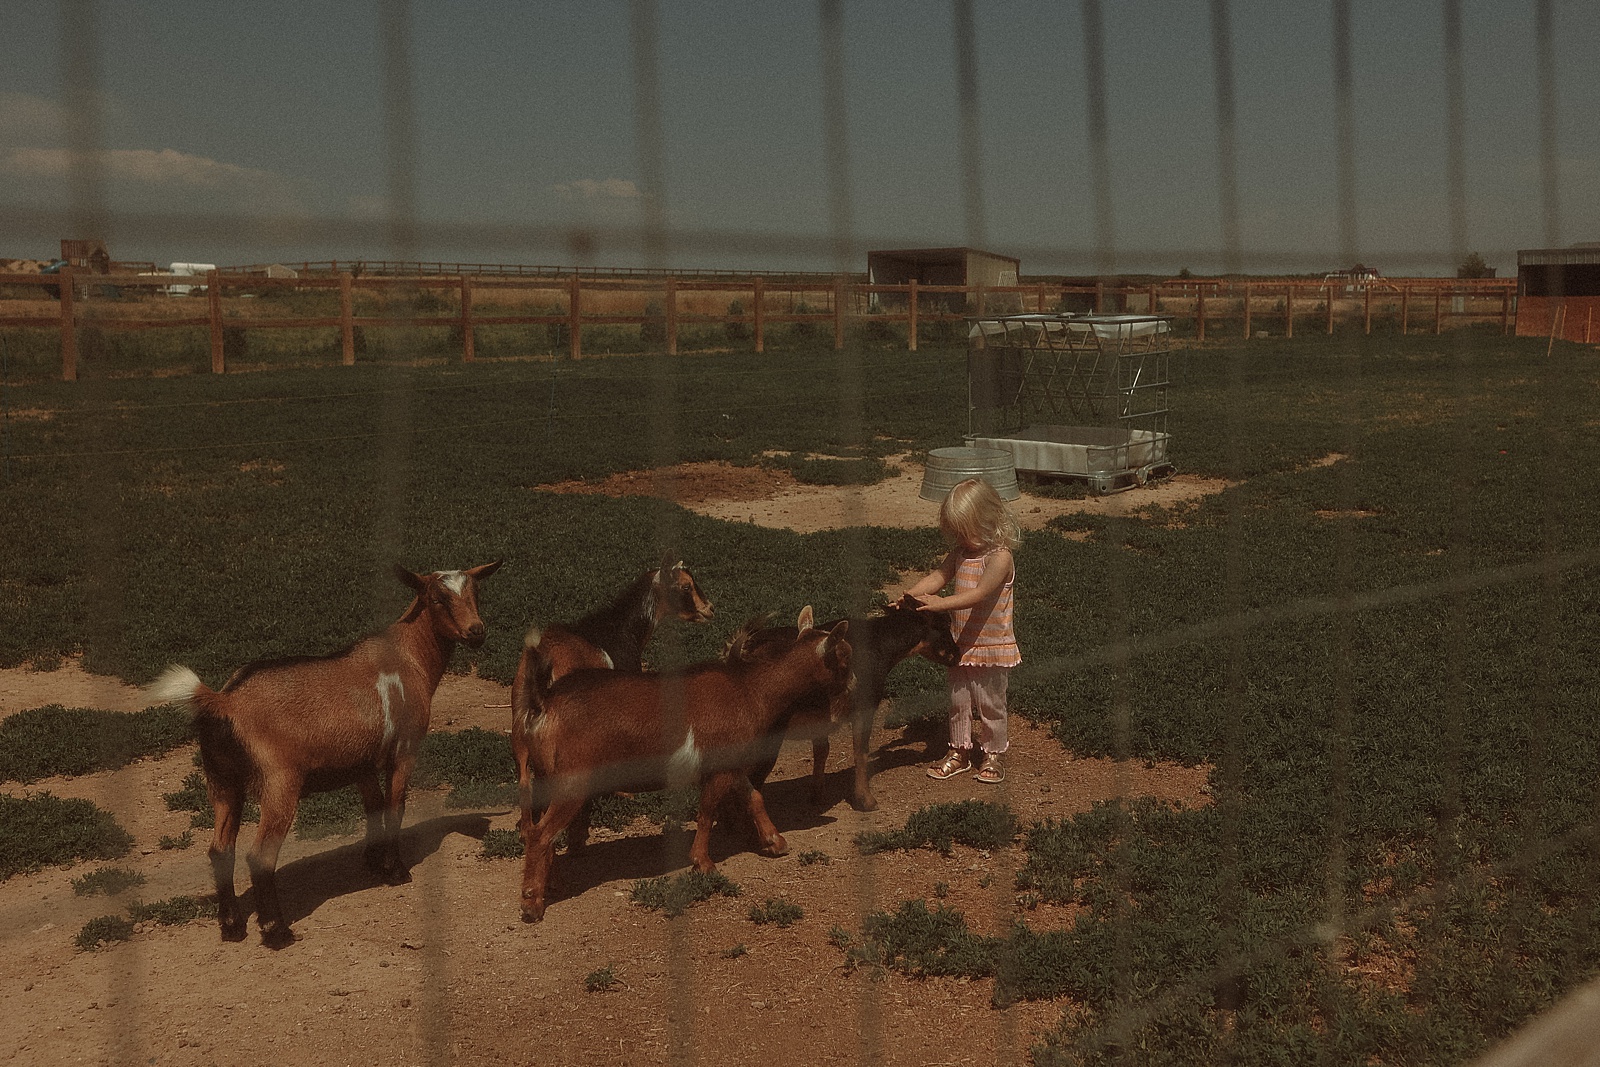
{"x": 774, "y": 499}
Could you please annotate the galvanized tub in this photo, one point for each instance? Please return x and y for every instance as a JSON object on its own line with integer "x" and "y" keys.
{"x": 949, "y": 466}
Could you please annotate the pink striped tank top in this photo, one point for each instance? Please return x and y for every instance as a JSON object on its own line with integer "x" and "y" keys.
{"x": 983, "y": 631}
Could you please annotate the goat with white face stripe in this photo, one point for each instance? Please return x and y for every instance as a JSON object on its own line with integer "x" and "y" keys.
{"x": 305, "y": 724}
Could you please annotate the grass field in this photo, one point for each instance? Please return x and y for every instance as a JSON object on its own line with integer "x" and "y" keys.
{"x": 1378, "y": 637}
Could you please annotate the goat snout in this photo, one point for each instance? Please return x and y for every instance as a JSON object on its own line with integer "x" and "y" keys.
{"x": 475, "y": 635}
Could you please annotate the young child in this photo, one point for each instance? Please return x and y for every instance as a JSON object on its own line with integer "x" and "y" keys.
{"x": 982, "y": 534}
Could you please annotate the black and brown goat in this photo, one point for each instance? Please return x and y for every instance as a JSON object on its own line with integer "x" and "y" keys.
{"x": 611, "y": 637}
{"x": 879, "y": 642}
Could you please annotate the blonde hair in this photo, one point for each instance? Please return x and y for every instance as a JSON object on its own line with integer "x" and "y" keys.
{"x": 974, "y": 514}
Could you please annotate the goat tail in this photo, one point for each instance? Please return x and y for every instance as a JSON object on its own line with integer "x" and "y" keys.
{"x": 177, "y": 685}
{"x": 532, "y": 637}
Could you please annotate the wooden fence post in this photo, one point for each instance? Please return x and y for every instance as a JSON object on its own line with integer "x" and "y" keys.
{"x": 670, "y": 295}
{"x": 1330, "y": 308}
{"x": 1247, "y": 311}
{"x": 1505, "y": 311}
{"x": 1438, "y": 311}
{"x": 574, "y": 317}
{"x": 1366, "y": 299}
{"x": 1405, "y": 309}
{"x": 838, "y": 313}
{"x": 468, "y": 346}
{"x": 347, "y": 326}
{"x": 1154, "y": 306}
{"x": 69, "y": 326}
{"x": 982, "y": 300}
{"x": 1288, "y": 310}
{"x": 911, "y": 314}
{"x": 1200, "y": 313}
{"x": 214, "y": 299}
{"x": 1099, "y": 297}
{"x": 760, "y": 324}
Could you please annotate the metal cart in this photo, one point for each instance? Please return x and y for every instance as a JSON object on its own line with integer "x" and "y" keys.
{"x": 1077, "y": 395}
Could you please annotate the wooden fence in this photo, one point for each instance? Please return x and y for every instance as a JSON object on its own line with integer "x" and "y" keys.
{"x": 1257, "y": 307}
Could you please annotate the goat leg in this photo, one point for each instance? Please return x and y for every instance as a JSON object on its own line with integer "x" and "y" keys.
{"x": 226, "y": 805}
{"x": 539, "y": 854}
{"x": 372, "y": 802}
{"x": 277, "y": 814}
{"x": 861, "y": 797}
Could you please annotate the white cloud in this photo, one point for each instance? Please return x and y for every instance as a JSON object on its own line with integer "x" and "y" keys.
{"x": 140, "y": 165}
{"x": 590, "y": 189}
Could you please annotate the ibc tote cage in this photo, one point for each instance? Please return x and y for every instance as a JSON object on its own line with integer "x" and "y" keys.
{"x": 1078, "y": 395}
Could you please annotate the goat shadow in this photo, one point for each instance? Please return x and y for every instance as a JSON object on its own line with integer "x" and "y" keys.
{"x": 305, "y": 884}
{"x": 788, "y": 802}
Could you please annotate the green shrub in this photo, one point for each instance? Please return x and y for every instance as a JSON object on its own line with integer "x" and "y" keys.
{"x": 330, "y": 814}
{"x": 182, "y": 841}
{"x": 103, "y": 931}
{"x": 776, "y": 911}
{"x": 53, "y": 740}
{"x": 813, "y": 856}
{"x": 736, "y": 951}
{"x": 43, "y": 829}
{"x": 665, "y": 808}
{"x": 107, "y": 880}
{"x": 924, "y": 943}
{"x": 502, "y": 845}
{"x": 672, "y": 894}
{"x": 476, "y": 764}
{"x": 174, "y": 911}
{"x": 599, "y": 981}
{"x": 975, "y": 823}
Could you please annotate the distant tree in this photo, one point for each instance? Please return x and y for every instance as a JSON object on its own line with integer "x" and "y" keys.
{"x": 1474, "y": 267}
{"x": 1185, "y": 273}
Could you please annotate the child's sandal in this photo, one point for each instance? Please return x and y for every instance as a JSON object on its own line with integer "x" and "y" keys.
{"x": 990, "y": 772}
{"x": 955, "y": 762}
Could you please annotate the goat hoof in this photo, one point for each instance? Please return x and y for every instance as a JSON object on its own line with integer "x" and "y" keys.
{"x": 777, "y": 846}
{"x": 397, "y": 876}
{"x": 234, "y": 931}
{"x": 532, "y": 913}
{"x": 276, "y": 937}
{"x": 867, "y": 802}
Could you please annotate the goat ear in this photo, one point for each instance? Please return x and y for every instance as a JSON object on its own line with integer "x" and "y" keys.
{"x": 480, "y": 573}
{"x": 806, "y": 621}
{"x": 405, "y": 576}
{"x": 838, "y": 646}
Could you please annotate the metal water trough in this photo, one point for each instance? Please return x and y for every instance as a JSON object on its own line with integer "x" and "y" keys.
{"x": 949, "y": 466}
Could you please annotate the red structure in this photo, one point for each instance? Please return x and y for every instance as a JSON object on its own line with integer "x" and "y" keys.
{"x": 1558, "y": 293}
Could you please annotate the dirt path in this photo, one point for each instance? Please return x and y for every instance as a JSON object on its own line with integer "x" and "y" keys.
{"x": 774, "y": 499}
{"x": 441, "y": 970}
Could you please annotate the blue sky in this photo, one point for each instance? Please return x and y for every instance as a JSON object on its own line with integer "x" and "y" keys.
{"x": 526, "y": 125}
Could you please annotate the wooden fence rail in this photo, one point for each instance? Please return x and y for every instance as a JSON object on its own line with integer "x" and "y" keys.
{"x": 840, "y": 303}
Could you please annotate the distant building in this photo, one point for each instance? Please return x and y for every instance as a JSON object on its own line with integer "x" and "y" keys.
{"x": 1558, "y": 292}
{"x": 278, "y": 270}
{"x": 939, "y": 266}
{"x": 89, "y": 255}
{"x": 1355, "y": 279}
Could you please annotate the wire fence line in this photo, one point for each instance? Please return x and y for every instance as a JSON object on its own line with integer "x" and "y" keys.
{"x": 403, "y": 234}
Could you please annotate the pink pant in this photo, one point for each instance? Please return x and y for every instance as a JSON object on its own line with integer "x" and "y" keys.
{"x": 978, "y": 694}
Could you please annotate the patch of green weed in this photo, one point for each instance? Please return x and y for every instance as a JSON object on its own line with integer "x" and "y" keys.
{"x": 976, "y": 823}
{"x": 42, "y": 830}
{"x": 672, "y": 894}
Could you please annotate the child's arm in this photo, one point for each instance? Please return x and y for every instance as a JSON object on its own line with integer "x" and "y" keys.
{"x": 995, "y": 573}
{"x": 936, "y": 580}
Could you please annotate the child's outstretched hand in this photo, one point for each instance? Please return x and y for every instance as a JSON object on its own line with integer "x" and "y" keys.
{"x": 927, "y": 601}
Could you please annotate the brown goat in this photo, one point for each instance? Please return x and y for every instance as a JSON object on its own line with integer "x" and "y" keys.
{"x": 282, "y": 728}
{"x": 610, "y": 637}
{"x": 598, "y": 731}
